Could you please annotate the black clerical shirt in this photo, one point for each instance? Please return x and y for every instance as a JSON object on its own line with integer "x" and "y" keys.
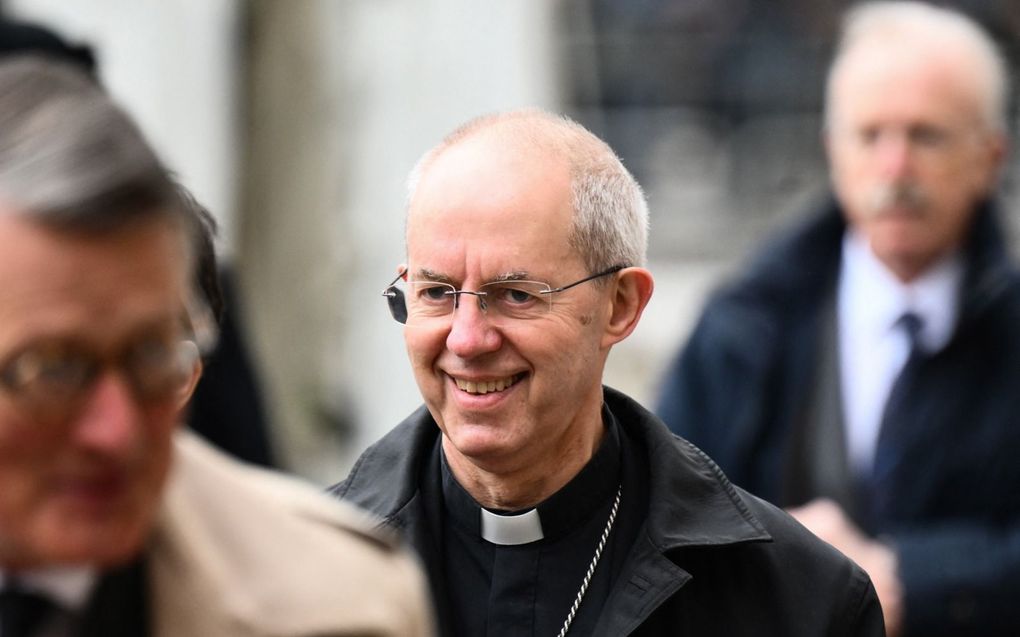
{"x": 528, "y": 589}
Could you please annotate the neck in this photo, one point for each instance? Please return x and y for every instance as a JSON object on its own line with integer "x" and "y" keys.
{"x": 906, "y": 271}
{"x": 529, "y": 482}
{"x": 908, "y": 268}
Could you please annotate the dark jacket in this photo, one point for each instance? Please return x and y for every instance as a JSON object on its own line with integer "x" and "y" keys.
{"x": 710, "y": 559}
{"x": 737, "y": 390}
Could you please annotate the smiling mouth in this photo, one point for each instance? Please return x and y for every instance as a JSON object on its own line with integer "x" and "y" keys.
{"x": 486, "y": 387}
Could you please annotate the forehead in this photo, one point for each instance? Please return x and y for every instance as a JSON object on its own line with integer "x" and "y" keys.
{"x": 492, "y": 201}
{"x": 55, "y": 282}
{"x": 909, "y": 81}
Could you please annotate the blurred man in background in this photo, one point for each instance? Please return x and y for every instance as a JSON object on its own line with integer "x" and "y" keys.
{"x": 112, "y": 522}
{"x": 541, "y": 501}
{"x": 865, "y": 369}
{"x": 227, "y": 406}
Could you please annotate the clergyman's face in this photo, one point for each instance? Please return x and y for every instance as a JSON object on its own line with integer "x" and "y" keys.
{"x": 910, "y": 154}
{"x": 508, "y": 395}
{"x": 84, "y": 488}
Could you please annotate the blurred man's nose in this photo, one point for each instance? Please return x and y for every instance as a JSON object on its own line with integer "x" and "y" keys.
{"x": 894, "y": 155}
{"x": 111, "y": 418}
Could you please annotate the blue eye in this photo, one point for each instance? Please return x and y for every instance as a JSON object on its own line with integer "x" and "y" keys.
{"x": 434, "y": 293}
{"x": 517, "y": 295}
{"x": 430, "y": 293}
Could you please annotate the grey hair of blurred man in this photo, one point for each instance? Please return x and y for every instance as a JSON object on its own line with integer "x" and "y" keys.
{"x": 896, "y": 22}
{"x": 72, "y": 158}
{"x": 610, "y": 224}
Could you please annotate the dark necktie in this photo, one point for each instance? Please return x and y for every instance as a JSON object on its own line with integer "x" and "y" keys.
{"x": 891, "y": 436}
{"x": 22, "y": 612}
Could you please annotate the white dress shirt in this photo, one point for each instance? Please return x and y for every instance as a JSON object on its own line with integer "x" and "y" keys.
{"x": 872, "y": 347}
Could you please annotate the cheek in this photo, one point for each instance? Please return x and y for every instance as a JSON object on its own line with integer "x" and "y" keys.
{"x": 23, "y": 476}
{"x": 423, "y": 346}
{"x": 567, "y": 356}
{"x": 161, "y": 423}
{"x": 26, "y": 455}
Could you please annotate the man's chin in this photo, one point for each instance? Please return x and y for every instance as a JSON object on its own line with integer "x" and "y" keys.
{"x": 480, "y": 444}
{"x": 906, "y": 258}
{"x": 92, "y": 544}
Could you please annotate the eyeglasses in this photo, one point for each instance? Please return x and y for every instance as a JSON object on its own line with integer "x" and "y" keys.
{"x": 509, "y": 300}
{"x": 49, "y": 379}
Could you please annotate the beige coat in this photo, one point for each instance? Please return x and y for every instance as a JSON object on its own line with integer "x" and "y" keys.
{"x": 240, "y": 551}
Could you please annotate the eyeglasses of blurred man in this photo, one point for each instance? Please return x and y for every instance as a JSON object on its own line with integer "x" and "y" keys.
{"x": 49, "y": 379}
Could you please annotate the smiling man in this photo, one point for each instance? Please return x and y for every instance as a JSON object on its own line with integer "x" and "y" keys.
{"x": 542, "y": 502}
{"x": 112, "y": 522}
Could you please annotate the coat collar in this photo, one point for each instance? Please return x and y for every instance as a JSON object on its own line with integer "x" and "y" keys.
{"x": 691, "y": 502}
{"x": 800, "y": 264}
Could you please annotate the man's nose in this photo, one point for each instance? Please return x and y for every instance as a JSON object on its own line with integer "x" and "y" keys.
{"x": 471, "y": 330}
{"x": 111, "y": 417}
{"x": 894, "y": 155}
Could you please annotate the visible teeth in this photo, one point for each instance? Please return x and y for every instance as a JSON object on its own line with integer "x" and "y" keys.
{"x": 484, "y": 387}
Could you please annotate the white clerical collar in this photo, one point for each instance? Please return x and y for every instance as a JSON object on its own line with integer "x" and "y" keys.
{"x": 876, "y": 299}
{"x": 507, "y": 530}
{"x": 67, "y": 586}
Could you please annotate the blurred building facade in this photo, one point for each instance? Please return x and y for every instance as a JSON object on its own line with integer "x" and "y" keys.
{"x": 296, "y": 123}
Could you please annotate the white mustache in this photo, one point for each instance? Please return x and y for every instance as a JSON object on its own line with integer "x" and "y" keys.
{"x": 900, "y": 196}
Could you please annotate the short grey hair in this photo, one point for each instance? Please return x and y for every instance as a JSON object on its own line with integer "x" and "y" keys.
{"x": 70, "y": 156}
{"x": 911, "y": 22}
{"x": 610, "y": 222}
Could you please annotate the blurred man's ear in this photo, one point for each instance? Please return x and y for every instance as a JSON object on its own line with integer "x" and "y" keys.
{"x": 188, "y": 390}
{"x": 998, "y": 152}
{"x": 631, "y": 292}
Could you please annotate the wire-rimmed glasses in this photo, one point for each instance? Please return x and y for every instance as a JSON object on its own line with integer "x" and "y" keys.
{"x": 503, "y": 300}
{"x": 48, "y": 380}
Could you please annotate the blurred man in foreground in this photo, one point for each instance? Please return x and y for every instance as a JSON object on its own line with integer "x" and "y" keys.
{"x": 866, "y": 368}
{"x": 541, "y": 501}
{"x": 111, "y": 522}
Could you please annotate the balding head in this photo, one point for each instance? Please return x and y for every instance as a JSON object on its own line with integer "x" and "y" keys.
{"x": 610, "y": 223}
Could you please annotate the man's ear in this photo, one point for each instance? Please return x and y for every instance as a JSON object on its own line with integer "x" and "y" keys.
{"x": 632, "y": 290}
{"x": 188, "y": 390}
{"x": 997, "y": 153}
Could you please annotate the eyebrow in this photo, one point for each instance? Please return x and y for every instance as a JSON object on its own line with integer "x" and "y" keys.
{"x": 513, "y": 275}
{"x": 426, "y": 274}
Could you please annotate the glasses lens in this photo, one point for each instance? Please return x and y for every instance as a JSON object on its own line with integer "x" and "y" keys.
{"x": 159, "y": 368}
{"x": 48, "y": 381}
{"x": 429, "y": 299}
{"x": 517, "y": 300}
{"x": 395, "y": 301}
{"x": 48, "y": 372}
